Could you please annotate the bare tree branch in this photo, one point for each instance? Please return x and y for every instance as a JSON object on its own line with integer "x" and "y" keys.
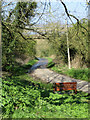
{"x": 66, "y": 10}
{"x": 23, "y": 36}
{"x": 40, "y": 16}
{"x": 78, "y": 23}
{"x": 24, "y": 28}
{"x": 7, "y": 29}
{"x": 42, "y": 34}
{"x": 16, "y": 31}
{"x": 6, "y": 5}
{"x": 10, "y": 13}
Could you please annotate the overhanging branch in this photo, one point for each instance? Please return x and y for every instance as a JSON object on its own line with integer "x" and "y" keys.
{"x": 78, "y": 22}
{"x": 32, "y": 29}
{"x": 7, "y": 29}
{"x": 6, "y": 5}
{"x": 23, "y": 35}
{"x": 24, "y": 28}
{"x": 40, "y": 15}
{"x": 72, "y": 16}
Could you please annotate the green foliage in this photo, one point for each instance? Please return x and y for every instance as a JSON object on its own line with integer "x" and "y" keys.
{"x": 24, "y": 97}
{"x": 17, "y": 95}
{"x": 8, "y": 46}
{"x": 82, "y": 74}
{"x": 43, "y": 48}
{"x": 49, "y": 59}
{"x": 50, "y": 62}
{"x": 15, "y": 43}
{"x": 15, "y": 47}
{"x": 32, "y": 62}
{"x": 78, "y": 42}
{"x": 56, "y": 69}
{"x": 59, "y": 44}
{"x": 24, "y": 11}
{"x": 44, "y": 53}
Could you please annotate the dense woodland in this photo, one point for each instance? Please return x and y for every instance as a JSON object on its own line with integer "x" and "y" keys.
{"x": 17, "y": 44}
{"x": 22, "y": 96}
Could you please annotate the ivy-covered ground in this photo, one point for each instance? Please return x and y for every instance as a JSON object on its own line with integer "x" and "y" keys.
{"x": 25, "y": 97}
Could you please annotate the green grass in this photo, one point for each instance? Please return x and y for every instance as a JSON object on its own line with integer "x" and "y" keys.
{"x": 50, "y": 62}
{"x": 82, "y": 74}
{"x": 32, "y": 62}
{"x": 49, "y": 59}
{"x": 25, "y": 97}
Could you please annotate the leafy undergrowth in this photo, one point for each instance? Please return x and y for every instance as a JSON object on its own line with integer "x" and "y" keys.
{"x": 50, "y": 62}
{"x": 24, "y": 97}
{"x": 32, "y": 62}
{"x": 82, "y": 74}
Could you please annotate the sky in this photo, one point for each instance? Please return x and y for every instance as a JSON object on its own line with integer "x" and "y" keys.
{"x": 51, "y": 0}
{"x": 55, "y": 12}
{"x": 76, "y": 7}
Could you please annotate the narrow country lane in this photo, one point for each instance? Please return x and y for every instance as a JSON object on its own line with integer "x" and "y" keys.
{"x": 50, "y": 77}
{"x": 40, "y": 71}
{"x": 42, "y": 62}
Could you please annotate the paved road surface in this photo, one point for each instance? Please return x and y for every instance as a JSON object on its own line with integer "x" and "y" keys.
{"x": 51, "y": 77}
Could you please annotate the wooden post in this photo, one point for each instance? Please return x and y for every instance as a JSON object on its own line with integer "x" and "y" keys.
{"x": 88, "y": 41}
{"x": 69, "y": 65}
{"x": 0, "y": 42}
{"x": 0, "y": 62}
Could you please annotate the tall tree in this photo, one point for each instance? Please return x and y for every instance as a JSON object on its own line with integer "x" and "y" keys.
{"x": 14, "y": 41}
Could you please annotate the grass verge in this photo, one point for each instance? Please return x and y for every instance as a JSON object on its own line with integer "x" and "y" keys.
{"x": 82, "y": 74}
{"x": 50, "y": 62}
